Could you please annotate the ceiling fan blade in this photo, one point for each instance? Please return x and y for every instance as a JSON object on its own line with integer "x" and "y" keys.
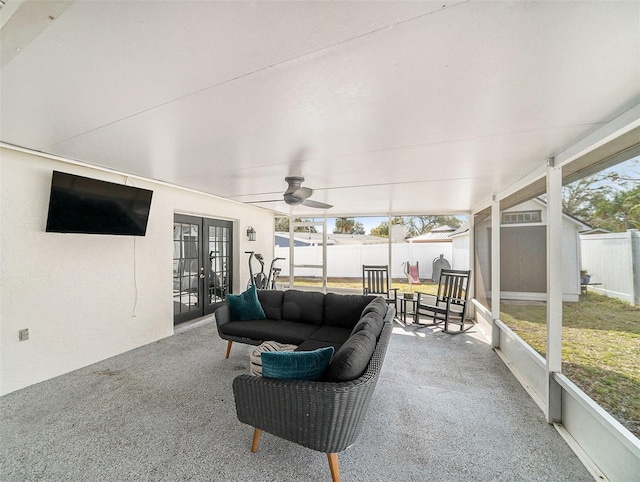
{"x": 316, "y": 204}
{"x": 302, "y": 193}
{"x": 264, "y": 201}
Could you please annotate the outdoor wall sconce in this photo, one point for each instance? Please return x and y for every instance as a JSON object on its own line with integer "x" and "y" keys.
{"x": 251, "y": 233}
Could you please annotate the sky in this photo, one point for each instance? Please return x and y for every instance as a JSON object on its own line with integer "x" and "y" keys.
{"x": 628, "y": 169}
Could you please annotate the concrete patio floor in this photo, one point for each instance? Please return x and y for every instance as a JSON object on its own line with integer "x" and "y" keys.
{"x": 446, "y": 408}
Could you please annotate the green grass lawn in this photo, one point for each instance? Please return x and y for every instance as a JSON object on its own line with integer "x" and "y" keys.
{"x": 600, "y": 343}
{"x": 600, "y": 349}
{"x": 356, "y": 283}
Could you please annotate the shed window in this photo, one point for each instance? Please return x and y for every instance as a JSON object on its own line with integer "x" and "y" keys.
{"x": 518, "y": 217}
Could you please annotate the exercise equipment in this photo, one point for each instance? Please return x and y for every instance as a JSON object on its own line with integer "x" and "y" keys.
{"x": 261, "y": 280}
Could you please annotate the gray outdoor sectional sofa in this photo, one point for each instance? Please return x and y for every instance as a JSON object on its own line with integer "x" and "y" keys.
{"x": 326, "y": 414}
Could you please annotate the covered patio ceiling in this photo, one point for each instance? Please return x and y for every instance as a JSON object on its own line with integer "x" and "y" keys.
{"x": 384, "y": 107}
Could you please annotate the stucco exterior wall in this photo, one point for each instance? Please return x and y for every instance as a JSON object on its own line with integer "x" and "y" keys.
{"x": 86, "y": 297}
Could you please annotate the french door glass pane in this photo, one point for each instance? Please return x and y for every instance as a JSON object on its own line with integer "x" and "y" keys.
{"x": 219, "y": 275}
{"x": 185, "y": 267}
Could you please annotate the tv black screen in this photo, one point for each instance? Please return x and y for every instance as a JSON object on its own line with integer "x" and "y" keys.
{"x": 82, "y": 205}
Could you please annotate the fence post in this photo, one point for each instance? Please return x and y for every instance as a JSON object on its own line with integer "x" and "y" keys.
{"x": 634, "y": 252}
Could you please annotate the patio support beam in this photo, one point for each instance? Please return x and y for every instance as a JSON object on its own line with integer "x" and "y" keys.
{"x": 472, "y": 266}
{"x": 390, "y": 254}
{"x": 495, "y": 272}
{"x": 291, "y": 252}
{"x": 324, "y": 253}
{"x": 554, "y": 291}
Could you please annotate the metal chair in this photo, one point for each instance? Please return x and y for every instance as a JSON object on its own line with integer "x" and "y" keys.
{"x": 376, "y": 281}
{"x": 450, "y": 303}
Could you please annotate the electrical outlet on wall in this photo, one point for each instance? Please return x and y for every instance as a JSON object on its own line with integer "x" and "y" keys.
{"x": 23, "y": 335}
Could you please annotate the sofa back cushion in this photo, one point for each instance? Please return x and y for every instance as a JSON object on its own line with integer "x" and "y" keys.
{"x": 344, "y": 310}
{"x": 372, "y": 322}
{"x": 271, "y": 301}
{"x": 378, "y": 305}
{"x": 352, "y": 358}
{"x": 303, "y": 306}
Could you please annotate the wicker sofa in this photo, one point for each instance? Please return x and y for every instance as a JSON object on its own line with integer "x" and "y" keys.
{"x": 325, "y": 415}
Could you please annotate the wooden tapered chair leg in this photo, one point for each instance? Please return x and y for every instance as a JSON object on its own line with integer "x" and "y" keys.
{"x": 229, "y": 343}
{"x": 333, "y": 466}
{"x": 256, "y": 439}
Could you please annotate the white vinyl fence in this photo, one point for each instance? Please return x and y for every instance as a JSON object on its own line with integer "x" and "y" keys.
{"x": 346, "y": 261}
{"x": 613, "y": 259}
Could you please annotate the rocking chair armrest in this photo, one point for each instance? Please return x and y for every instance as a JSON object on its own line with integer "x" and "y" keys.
{"x": 457, "y": 301}
{"x": 419, "y": 300}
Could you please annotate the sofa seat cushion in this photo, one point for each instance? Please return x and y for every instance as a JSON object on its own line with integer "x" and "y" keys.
{"x": 282, "y": 331}
{"x": 333, "y": 334}
{"x": 303, "y": 306}
{"x": 310, "y": 345}
{"x": 344, "y": 310}
{"x": 353, "y": 357}
{"x": 300, "y": 365}
{"x": 271, "y": 301}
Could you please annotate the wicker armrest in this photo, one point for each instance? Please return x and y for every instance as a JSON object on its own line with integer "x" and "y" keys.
{"x": 322, "y": 416}
{"x": 223, "y": 314}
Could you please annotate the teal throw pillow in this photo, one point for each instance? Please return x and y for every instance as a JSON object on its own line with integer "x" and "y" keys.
{"x": 296, "y": 365}
{"x": 246, "y": 306}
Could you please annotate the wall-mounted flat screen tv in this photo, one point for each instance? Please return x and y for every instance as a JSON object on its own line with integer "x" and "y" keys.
{"x": 82, "y": 205}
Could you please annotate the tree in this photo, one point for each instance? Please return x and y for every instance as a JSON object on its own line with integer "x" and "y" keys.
{"x": 282, "y": 226}
{"x": 344, "y": 225}
{"x": 620, "y": 212}
{"x": 348, "y": 226}
{"x": 580, "y": 197}
{"x": 608, "y": 200}
{"x": 417, "y": 225}
{"x": 382, "y": 229}
{"x": 358, "y": 228}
